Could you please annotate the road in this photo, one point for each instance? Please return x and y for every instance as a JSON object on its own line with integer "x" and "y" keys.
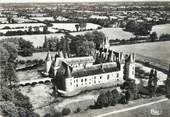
{"x": 155, "y": 107}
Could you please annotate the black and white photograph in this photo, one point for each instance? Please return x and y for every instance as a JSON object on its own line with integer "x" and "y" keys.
{"x": 84, "y": 58}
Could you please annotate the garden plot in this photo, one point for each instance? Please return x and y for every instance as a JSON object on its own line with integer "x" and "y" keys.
{"x": 71, "y": 26}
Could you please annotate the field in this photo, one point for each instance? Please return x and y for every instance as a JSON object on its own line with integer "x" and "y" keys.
{"x": 111, "y": 33}
{"x": 161, "y": 29}
{"x": 24, "y": 25}
{"x": 156, "y": 50}
{"x": 20, "y": 29}
{"x": 71, "y": 26}
{"x": 37, "y": 40}
{"x": 60, "y": 18}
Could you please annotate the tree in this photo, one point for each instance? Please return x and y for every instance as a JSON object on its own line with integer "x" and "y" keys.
{"x": 66, "y": 111}
{"x": 153, "y": 36}
{"x": 152, "y": 82}
{"x": 30, "y": 31}
{"x": 64, "y": 42}
{"x": 13, "y": 103}
{"x": 102, "y": 100}
{"x": 130, "y": 86}
{"x": 26, "y": 47}
{"x": 142, "y": 29}
{"x": 77, "y": 27}
{"x": 37, "y": 30}
{"x": 99, "y": 37}
{"x": 110, "y": 98}
{"x": 115, "y": 97}
{"x": 7, "y": 94}
{"x": 82, "y": 26}
{"x": 46, "y": 43}
{"x": 45, "y": 30}
{"x": 8, "y": 109}
{"x": 12, "y": 50}
{"x": 9, "y": 19}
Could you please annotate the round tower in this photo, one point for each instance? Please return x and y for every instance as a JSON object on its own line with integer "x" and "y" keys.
{"x": 129, "y": 68}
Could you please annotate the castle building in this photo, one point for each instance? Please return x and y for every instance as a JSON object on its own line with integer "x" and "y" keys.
{"x": 80, "y": 73}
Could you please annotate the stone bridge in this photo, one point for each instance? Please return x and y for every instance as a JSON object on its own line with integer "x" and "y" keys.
{"x": 32, "y": 82}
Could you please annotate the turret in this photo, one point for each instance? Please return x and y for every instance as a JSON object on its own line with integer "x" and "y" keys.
{"x": 106, "y": 44}
{"x": 129, "y": 67}
{"x": 48, "y": 62}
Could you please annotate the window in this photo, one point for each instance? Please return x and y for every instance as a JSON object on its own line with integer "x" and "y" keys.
{"x": 117, "y": 75}
{"x": 85, "y": 79}
{"x": 81, "y": 80}
{"x": 70, "y": 83}
{"x": 100, "y": 77}
{"x": 76, "y": 85}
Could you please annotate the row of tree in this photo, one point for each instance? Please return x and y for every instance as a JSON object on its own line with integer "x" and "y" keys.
{"x": 79, "y": 45}
{"x": 141, "y": 29}
{"x": 30, "y": 31}
{"x": 111, "y": 98}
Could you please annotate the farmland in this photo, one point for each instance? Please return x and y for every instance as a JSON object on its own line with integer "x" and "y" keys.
{"x": 37, "y": 40}
{"x": 161, "y": 29}
{"x": 111, "y": 33}
{"x": 157, "y": 50}
{"x": 24, "y": 25}
{"x": 71, "y": 26}
{"x": 59, "y": 18}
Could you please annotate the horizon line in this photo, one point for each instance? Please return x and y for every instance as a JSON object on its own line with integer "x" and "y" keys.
{"x": 102, "y": 1}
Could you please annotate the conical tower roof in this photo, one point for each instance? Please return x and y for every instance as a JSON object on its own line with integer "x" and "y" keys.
{"x": 68, "y": 70}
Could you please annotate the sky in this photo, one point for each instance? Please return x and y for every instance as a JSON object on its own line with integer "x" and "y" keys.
{"x": 23, "y": 1}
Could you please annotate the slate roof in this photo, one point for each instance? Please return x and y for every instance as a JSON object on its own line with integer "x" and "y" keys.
{"x": 96, "y": 69}
{"x": 79, "y": 60}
